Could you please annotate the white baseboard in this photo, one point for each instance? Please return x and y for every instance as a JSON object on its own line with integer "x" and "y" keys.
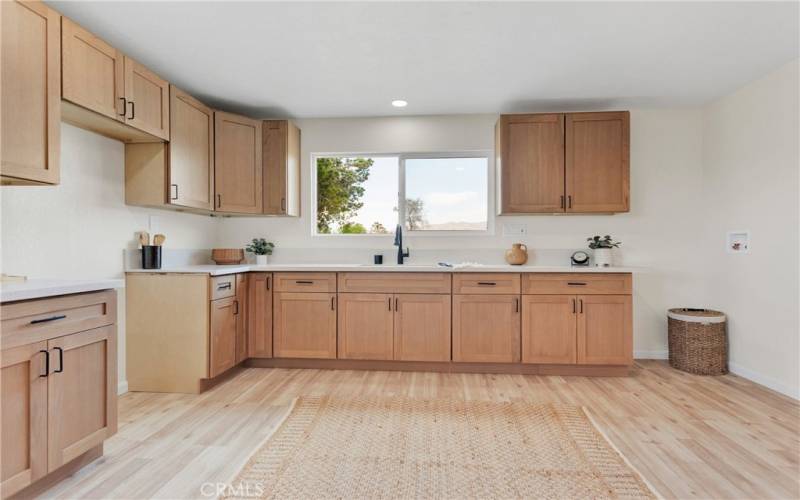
{"x": 768, "y": 382}
{"x": 651, "y": 354}
{"x": 122, "y": 387}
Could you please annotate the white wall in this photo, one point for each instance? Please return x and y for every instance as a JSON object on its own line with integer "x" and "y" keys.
{"x": 660, "y": 232}
{"x": 751, "y": 173}
{"x": 79, "y": 228}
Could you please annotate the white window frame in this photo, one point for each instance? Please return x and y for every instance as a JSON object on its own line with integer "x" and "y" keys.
{"x": 401, "y": 195}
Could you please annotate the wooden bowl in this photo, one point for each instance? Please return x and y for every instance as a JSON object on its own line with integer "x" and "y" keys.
{"x": 226, "y": 256}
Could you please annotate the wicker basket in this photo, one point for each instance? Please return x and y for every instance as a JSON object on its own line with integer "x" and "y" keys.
{"x": 698, "y": 341}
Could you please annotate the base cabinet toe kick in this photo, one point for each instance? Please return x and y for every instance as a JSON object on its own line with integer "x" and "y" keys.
{"x": 185, "y": 332}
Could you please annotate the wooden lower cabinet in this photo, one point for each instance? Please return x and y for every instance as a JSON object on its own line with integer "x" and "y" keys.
{"x": 486, "y": 328}
{"x": 422, "y": 327}
{"x": 23, "y": 392}
{"x": 366, "y": 326}
{"x": 81, "y": 394}
{"x": 241, "y": 316}
{"x": 304, "y": 325}
{"x": 605, "y": 330}
{"x": 259, "y": 315}
{"x": 222, "y": 335}
{"x": 549, "y": 329}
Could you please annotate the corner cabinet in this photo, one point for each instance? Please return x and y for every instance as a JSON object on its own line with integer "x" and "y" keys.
{"x": 281, "y": 160}
{"x": 30, "y": 93}
{"x": 563, "y": 163}
{"x": 59, "y": 385}
{"x": 237, "y": 164}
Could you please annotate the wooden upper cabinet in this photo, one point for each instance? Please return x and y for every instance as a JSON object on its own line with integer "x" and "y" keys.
{"x": 605, "y": 334}
{"x": 147, "y": 100}
{"x": 597, "y": 162}
{"x": 281, "y": 152}
{"x": 81, "y": 393}
{"x": 304, "y": 325}
{"x": 223, "y": 335}
{"x": 259, "y": 315}
{"x": 530, "y": 160}
{"x": 549, "y": 324}
{"x": 30, "y": 93}
{"x": 366, "y": 326}
{"x": 93, "y": 72}
{"x": 24, "y": 429}
{"x": 486, "y": 328}
{"x": 237, "y": 164}
{"x": 191, "y": 152}
{"x": 422, "y": 327}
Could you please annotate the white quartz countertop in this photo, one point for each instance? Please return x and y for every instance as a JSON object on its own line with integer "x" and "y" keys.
{"x": 40, "y": 288}
{"x": 215, "y": 270}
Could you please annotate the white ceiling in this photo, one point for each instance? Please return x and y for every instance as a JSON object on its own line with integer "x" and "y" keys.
{"x": 351, "y": 59}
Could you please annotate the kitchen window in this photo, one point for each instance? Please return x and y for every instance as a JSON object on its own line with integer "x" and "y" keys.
{"x": 427, "y": 193}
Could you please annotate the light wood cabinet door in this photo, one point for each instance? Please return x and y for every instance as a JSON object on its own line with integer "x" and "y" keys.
{"x": 597, "y": 162}
{"x": 549, "y": 329}
{"x": 242, "y": 306}
{"x": 24, "y": 416}
{"x": 304, "y": 325}
{"x": 222, "y": 355}
{"x": 259, "y": 315}
{"x": 237, "y": 164}
{"x": 30, "y": 93}
{"x": 366, "y": 326}
{"x": 530, "y": 158}
{"x": 281, "y": 155}
{"x": 605, "y": 326}
{"x": 191, "y": 151}
{"x": 81, "y": 393}
{"x": 147, "y": 98}
{"x": 486, "y": 328}
{"x": 92, "y": 72}
{"x": 422, "y": 327}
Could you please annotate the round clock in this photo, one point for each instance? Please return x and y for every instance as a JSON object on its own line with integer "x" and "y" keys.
{"x": 580, "y": 258}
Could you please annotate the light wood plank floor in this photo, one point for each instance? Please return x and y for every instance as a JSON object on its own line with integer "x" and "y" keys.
{"x": 690, "y": 436}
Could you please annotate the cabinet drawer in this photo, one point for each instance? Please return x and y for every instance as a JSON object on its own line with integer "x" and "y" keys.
{"x": 486, "y": 283}
{"x": 575, "y": 283}
{"x": 223, "y": 286}
{"x": 395, "y": 282}
{"x": 41, "y": 319}
{"x": 305, "y": 282}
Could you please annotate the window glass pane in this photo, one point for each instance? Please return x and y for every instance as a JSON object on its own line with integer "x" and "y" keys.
{"x": 357, "y": 195}
{"x": 446, "y": 194}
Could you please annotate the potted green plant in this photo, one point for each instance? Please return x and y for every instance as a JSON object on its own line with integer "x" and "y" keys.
{"x": 261, "y": 248}
{"x": 603, "y": 247}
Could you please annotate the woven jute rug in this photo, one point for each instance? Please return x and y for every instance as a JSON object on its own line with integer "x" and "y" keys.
{"x": 404, "y": 448}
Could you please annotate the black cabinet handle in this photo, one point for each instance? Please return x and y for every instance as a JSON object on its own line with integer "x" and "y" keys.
{"x": 124, "y": 107}
{"x": 569, "y": 201}
{"x": 176, "y": 191}
{"x": 133, "y": 110}
{"x": 574, "y": 307}
{"x": 47, "y": 320}
{"x": 224, "y": 286}
{"x": 390, "y": 303}
{"x": 60, "y": 360}
{"x": 283, "y": 204}
{"x": 576, "y": 283}
{"x": 581, "y": 301}
{"x": 516, "y": 305}
{"x": 219, "y": 201}
{"x": 563, "y": 205}
{"x": 235, "y": 307}
{"x": 46, "y": 363}
{"x": 396, "y": 304}
{"x": 333, "y": 300}
{"x": 304, "y": 282}
{"x": 487, "y": 283}
{"x": 267, "y": 282}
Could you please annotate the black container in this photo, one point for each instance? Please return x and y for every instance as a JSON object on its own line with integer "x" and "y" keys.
{"x": 151, "y": 257}
{"x": 378, "y": 259}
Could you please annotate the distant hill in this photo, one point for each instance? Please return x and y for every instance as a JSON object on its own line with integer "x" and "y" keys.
{"x": 457, "y": 226}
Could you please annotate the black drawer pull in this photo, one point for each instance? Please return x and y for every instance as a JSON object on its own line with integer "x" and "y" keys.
{"x": 300, "y": 282}
{"x": 46, "y": 363}
{"x": 224, "y": 286}
{"x": 487, "y": 283}
{"x": 47, "y": 320}
{"x": 60, "y": 360}
{"x": 575, "y": 283}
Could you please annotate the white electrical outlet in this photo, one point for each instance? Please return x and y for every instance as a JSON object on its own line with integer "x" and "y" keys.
{"x": 515, "y": 229}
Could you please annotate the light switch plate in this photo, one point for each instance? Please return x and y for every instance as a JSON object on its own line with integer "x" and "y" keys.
{"x": 515, "y": 229}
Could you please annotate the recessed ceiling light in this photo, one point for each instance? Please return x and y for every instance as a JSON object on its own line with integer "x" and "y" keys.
{"x": 399, "y": 103}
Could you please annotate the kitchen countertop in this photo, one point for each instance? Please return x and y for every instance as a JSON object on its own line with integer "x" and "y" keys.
{"x": 215, "y": 270}
{"x": 40, "y": 288}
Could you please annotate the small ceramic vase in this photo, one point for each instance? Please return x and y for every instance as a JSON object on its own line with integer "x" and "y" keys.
{"x": 517, "y": 255}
